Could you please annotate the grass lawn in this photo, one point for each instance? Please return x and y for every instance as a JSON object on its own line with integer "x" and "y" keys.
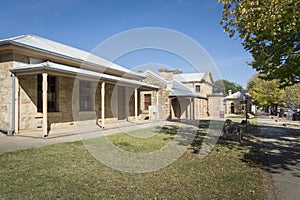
{"x": 68, "y": 171}
{"x": 251, "y": 129}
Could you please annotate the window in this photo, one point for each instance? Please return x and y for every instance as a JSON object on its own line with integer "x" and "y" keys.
{"x": 85, "y": 96}
{"x": 147, "y": 101}
{"x": 51, "y": 93}
{"x": 197, "y": 88}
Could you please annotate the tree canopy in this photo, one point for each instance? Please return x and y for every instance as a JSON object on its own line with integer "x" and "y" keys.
{"x": 292, "y": 96}
{"x": 175, "y": 71}
{"x": 264, "y": 92}
{"x": 269, "y": 30}
{"x": 267, "y": 93}
{"x": 222, "y": 86}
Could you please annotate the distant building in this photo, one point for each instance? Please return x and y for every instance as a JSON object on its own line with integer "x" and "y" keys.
{"x": 236, "y": 103}
{"x": 182, "y": 96}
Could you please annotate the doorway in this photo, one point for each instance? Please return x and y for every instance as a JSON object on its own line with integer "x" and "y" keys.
{"x": 232, "y": 108}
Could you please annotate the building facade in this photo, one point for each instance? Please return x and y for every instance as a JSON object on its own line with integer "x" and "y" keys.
{"x": 237, "y": 103}
{"x": 45, "y": 84}
{"x": 181, "y": 96}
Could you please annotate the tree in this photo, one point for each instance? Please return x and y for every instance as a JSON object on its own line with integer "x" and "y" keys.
{"x": 222, "y": 86}
{"x": 175, "y": 71}
{"x": 269, "y": 30}
{"x": 266, "y": 93}
{"x": 292, "y": 96}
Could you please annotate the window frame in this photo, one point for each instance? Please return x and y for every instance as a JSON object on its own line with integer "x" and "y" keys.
{"x": 196, "y": 88}
{"x": 147, "y": 101}
{"x": 85, "y": 96}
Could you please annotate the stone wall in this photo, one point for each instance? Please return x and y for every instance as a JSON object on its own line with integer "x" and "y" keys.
{"x": 67, "y": 99}
{"x": 237, "y": 106}
{"x": 7, "y": 62}
{"x": 163, "y": 97}
{"x": 200, "y": 107}
{"x": 205, "y": 88}
{"x": 6, "y": 95}
{"x": 29, "y": 119}
{"x": 216, "y": 104}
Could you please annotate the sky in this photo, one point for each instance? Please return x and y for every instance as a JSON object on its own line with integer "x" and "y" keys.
{"x": 85, "y": 24}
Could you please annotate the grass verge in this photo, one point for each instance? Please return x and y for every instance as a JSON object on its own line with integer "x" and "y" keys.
{"x": 68, "y": 171}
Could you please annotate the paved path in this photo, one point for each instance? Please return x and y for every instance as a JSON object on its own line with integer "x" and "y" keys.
{"x": 281, "y": 149}
{"x": 35, "y": 139}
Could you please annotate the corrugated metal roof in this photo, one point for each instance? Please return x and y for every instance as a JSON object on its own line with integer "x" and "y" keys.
{"x": 43, "y": 44}
{"x": 238, "y": 95}
{"x": 81, "y": 72}
{"x": 180, "y": 90}
{"x": 189, "y": 77}
{"x": 177, "y": 88}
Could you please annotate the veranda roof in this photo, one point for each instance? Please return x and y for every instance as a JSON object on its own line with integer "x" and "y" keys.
{"x": 55, "y": 67}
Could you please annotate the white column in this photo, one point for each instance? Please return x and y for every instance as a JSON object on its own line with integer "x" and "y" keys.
{"x": 190, "y": 108}
{"x": 102, "y": 104}
{"x": 45, "y": 105}
{"x": 157, "y": 104}
{"x": 136, "y": 104}
{"x": 16, "y": 105}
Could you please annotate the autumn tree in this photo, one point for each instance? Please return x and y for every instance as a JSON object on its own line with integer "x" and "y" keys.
{"x": 223, "y": 86}
{"x": 270, "y": 31}
{"x": 266, "y": 93}
{"x": 292, "y": 96}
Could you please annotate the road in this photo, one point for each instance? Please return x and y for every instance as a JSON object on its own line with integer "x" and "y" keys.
{"x": 281, "y": 154}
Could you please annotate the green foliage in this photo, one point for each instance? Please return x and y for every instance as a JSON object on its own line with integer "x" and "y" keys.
{"x": 292, "y": 96}
{"x": 269, "y": 30}
{"x": 266, "y": 93}
{"x": 222, "y": 86}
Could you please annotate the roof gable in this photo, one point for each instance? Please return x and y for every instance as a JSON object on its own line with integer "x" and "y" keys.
{"x": 156, "y": 76}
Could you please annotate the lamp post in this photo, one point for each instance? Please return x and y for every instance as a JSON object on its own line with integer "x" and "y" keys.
{"x": 246, "y": 102}
{"x": 245, "y": 98}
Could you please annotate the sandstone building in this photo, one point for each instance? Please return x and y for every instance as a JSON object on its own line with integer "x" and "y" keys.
{"x": 46, "y": 84}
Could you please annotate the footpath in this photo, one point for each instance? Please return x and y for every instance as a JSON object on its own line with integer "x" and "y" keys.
{"x": 35, "y": 139}
{"x": 280, "y": 146}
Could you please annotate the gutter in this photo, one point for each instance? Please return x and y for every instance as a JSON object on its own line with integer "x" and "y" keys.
{"x": 11, "y": 132}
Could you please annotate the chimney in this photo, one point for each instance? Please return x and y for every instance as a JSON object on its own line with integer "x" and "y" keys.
{"x": 167, "y": 75}
{"x": 229, "y": 92}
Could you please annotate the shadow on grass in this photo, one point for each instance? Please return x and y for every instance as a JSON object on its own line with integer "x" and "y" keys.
{"x": 251, "y": 156}
{"x": 197, "y": 123}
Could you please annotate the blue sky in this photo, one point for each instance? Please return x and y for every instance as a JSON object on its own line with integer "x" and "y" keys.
{"x": 84, "y": 24}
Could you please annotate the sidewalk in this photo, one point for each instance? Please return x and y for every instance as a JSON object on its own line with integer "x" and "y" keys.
{"x": 283, "y": 120}
{"x": 280, "y": 149}
{"x": 77, "y": 133}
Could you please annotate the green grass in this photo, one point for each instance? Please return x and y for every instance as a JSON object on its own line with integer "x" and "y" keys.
{"x": 68, "y": 171}
{"x": 251, "y": 129}
{"x": 141, "y": 144}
